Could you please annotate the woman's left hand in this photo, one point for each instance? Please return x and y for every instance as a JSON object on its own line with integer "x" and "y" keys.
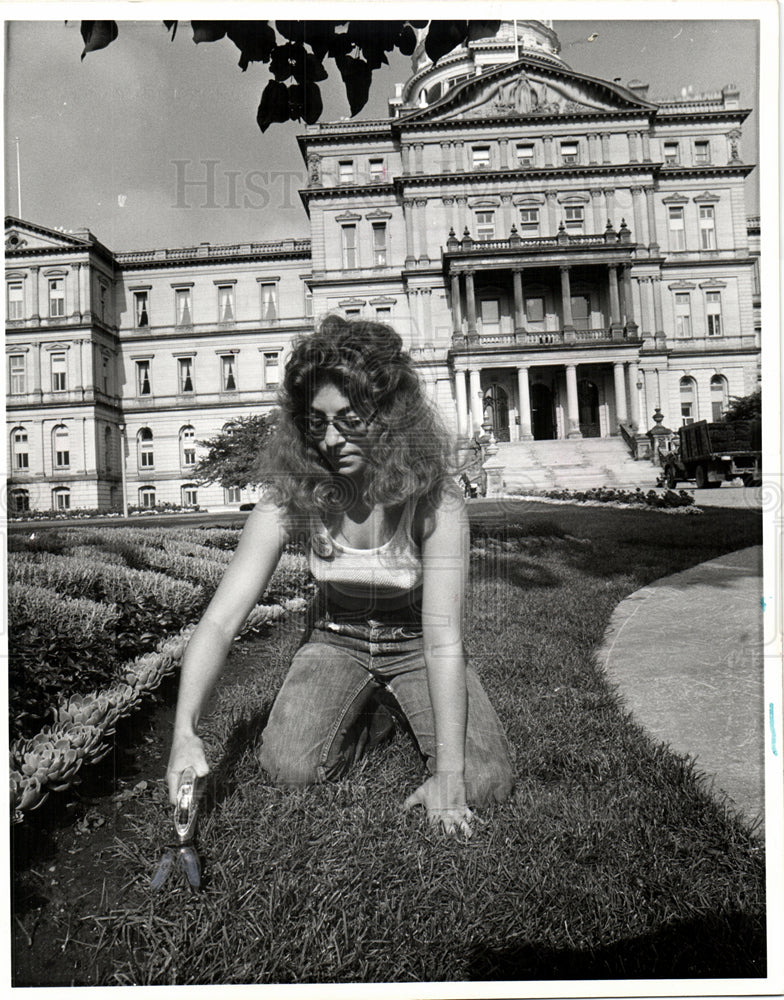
{"x": 443, "y": 797}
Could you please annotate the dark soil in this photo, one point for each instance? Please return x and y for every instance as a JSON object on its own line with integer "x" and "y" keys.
{"x": 63, "y": 854}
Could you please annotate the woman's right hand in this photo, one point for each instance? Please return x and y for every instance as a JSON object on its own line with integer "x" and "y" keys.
{"x": 187, "y": 751}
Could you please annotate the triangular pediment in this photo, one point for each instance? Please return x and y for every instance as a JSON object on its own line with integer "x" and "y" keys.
{"x": 529, "y": 88}
{"x": 23, "y": 236}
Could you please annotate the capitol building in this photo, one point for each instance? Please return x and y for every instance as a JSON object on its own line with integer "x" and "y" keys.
{"x": 564, "y": 257}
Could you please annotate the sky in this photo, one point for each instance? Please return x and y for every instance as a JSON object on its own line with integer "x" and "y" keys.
{"x": 114, "y": 142}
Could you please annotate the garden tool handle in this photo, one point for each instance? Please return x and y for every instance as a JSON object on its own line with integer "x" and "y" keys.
{"x": 187, "y": 807}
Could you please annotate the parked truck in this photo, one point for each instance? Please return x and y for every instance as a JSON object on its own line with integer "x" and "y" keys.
{"x": 712, "y": 453}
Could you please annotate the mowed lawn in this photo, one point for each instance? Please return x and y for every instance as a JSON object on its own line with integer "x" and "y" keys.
{"x": 612, "y": 860}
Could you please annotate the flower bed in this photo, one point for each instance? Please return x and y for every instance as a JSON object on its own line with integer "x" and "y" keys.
{"x": 668, "y": 502}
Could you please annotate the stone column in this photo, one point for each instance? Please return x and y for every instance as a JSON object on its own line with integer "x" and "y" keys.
{"x": 594, "y": 147}
{"x": 503, "y": 149}
{"x": 524, "y": 403}
{"x": 657, "y": 309}
{"x": 566, "y": 298}
{"x": 632, "y": 138}
{"x": 419, "y": 165}
{"x": 445, "y": 157}
{"x": 427, "y": 317}
{"x": 459, "y": 155}
{"x": 408, "y": 215}
{"x": 653, "y": 242}
{"x": 572, "y": 405}
{"x": 86, "y": 296}
{"x": 645, "y": 305}
{"x": 552, "y": 220}
{"x": 506, "y": 212}
{"x": 461, "y": 404}
{"x": 605, "y": 147}
{"x": 609, "y": 197}
{"x": 457, "y": 320}
{"x": 460, "y": 200}
{"x": 620, "y": 393}
{"x": 615, "y": 305}
{"x": 634, "y": 398}
{"x": 599, "y": 217}
{"x": 627, "y": 295}
{"x": 79, "y": 358}
{"x": 405, "y": 156}
{"x": 36, "y": 359}
{"x": 422, "y": 213}
{"x": 519, "y": 315}
{"x": 78, "y": 296}
{"x": 470, "y": 305}
{"x": 646, "y": 146}
{"x": 449, "y": 203}
{"x": 639, "y": 233}
{"x": 87, "y": 365}
{"x": 475, "y": 401}
{"x": 548, "y": 150}
{"x": 34, "y": 275}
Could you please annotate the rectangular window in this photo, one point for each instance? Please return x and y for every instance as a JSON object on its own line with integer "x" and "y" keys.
{"x": 62, "y": 499}
{"x": 490, "y": 311}
{"x": 383, "y": 313}
{"x": 529, "y": 221}
{"x": 677, "y": 230}
{"x": 525, "y": 154}
{"x": 534, "y": 309}
{"x": 485, "y": 225}
{"x": 352, "y": 313}
{"x": 190, "y": 496}
{"x": 308, "y": 303}
{"x": 480, "y": 157}
{"x": 57, "y": 297}
{"x": 16, "y": 374}
{"x": 707, "y": 227}
{"x": 271, "y": 369}
{"x": 702, "y": 151}
{"x": 15, "y": 300}
{"x": 182, "y": 303}
{"x": 682, "y": 314}
{"x": 143, "y": 378}
{"x": 573, "y": 218}
{"x": 346, "y": 172}
{"x": 141, "y": 309}
{"x": 21, "y": 454}
{"x": 379, "y": 244}
{"x": 581, "y": 311}
{"x": 349, "y": 246}
{"x": 185, "y": 374}
{"x": 687, "y": 416}
{"x": 147, "y": 496}
{"x": 713, "y": 310}
{"x": 570, "y": 151}
{"x": 377, "y": 170}
{"x": 232, "y": 494}
{"x": 225, "y": 303}
{"x": 228, "y": 373}
{"x": 672, "y": 152}
{"x": 59, "y": 383}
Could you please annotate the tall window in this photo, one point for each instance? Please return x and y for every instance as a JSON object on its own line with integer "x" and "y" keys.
{"x": 308, "y": 303}
{"x": 525, "y": 154}
{"x": 570, "y": 151}
{"x": 190, "y": 495}
{"x": 61, "y": 498}
{"x": 19, "y": 501}
{"x": 15, "y": 300}
{"x": 56, "y": 297}
{"x": 232, "y": 494}
{"x": 185, "y": 374}
{"x": 529, "y": 221}
{"x": 143, "y": 387}
{"x": 702, "y": 151}
{"x": 379, "y": 244}
{"x": 574, "y": 216}
{"x": 581, "y": 311}
{"x": 182, "y": 306}
{"x": 713, "y": 312}
{"x": 677, "y": 230}
{"x": 490, "y": 311}
{"x": 688, "y": 404}
{"x": 20, "y": 450}
{"x": 672, "y": 153}
{"x": 141, "y": 308}
{"x": 349, "y": 245}
{"x": 480, "y": 157}
{"x": 377, "y": 170}
{"x": 682, "y": 314}
{"x": 485, "y": 225}
{"x": 187, "y": 447}
{"x": 147, "y": 496}
{"x": 534, "y": 309}
{"x": 707, "y": 227}
{"x": 271, "y": 369}
{"x": 16, "y": 374}
{"x": 225, "y": 303}
{"x": 346, "y": 172}
{"x": 59, "y": 383}
{"x": 146, "y": 455}
{"x": 61, "y": 455}
{"x": 228, "y": 375}
{"x": 269, "y": 301}
{"x": 383, "y": 314}
{"x": 719, "y": 397}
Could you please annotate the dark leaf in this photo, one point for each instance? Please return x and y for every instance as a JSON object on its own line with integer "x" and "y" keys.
{"x": 320, "y": 36}
{"x": 357, "y": 76}
{"x": 256, "y": 40}
{"x": 97, "y": 35}
{"x": 482, "y": 29}
{"x": 274, "y": 105}
{"x": 208, "y": 31}
{"x": 406, "y": 41}
{"x": 283, "y": 60}
{"x": 305, "y": 102}
{"x": 294, "y": 31}
{"x": 443, "y": 36}
{"x": 172, "y": 27}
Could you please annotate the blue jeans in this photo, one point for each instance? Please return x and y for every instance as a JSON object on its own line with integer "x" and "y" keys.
{"x": 326, "y": 710}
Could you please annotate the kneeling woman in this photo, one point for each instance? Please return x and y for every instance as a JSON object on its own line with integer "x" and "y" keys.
{"x": 359, "y": 466}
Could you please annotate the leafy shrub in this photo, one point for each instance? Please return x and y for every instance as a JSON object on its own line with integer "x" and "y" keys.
{"x": 604, "y": 494}
{"x": 203, "y": 570}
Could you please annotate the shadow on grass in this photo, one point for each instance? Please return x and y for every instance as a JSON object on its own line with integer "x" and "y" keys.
{"x": 245, "y": 733}
{"x": 714, "y": 946}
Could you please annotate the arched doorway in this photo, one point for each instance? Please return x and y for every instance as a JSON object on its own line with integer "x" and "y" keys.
{"x": 588, "y": 408}
{"x": 542, "y": 417}
{"x": 495, "y": 409}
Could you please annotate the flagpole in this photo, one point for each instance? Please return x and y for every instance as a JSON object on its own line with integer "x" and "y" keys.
{"x": 18, "y": 181}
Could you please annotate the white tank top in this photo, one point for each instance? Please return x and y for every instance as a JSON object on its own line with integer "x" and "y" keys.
{"x": 388, "y": 572}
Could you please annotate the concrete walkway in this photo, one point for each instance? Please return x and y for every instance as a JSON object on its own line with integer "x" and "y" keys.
{"x": 686, "y": 654}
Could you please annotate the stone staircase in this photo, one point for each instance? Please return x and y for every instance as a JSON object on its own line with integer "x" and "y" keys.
{"x": 574, "y": 464}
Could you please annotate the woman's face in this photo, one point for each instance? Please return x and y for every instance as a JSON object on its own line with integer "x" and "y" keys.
{"x": 341, "y": 436}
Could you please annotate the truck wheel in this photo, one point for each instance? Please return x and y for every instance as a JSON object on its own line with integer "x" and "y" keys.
{"x": 670, "y": 478}
{"x": 701, "y": 477}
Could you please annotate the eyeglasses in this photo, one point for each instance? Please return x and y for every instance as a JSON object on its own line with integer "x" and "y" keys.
{"x": 349, "y": 426}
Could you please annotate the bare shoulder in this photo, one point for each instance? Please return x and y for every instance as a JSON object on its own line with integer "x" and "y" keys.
{"x": 268, "y": 522}
{"x": 447, "y": 513}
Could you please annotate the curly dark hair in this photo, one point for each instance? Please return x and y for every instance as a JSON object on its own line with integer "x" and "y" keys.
{"x": 412, "y": 454}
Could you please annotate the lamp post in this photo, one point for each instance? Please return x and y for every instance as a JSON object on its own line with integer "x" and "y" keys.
{"x": 122, "y": 470}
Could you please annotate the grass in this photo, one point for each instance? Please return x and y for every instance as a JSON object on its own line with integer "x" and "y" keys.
{"x": 613, "y": 860}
